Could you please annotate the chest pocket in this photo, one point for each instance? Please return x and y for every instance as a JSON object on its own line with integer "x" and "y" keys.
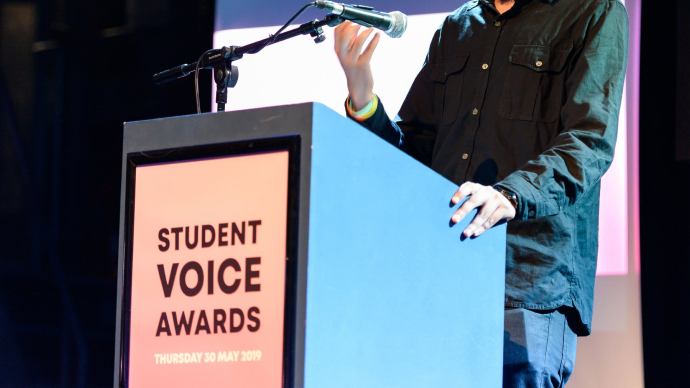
{"x": 533, "y": 88}
{"x": 448, "y": 80}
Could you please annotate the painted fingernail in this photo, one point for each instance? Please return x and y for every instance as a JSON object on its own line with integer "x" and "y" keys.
{"x": 456, "y": 218}
{"x": 455, "y": 199}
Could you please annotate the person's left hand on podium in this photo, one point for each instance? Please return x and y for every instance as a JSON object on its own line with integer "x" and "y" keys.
{"x": 492, "y": 207}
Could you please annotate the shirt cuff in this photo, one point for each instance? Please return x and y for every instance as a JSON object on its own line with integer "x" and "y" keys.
{"x": 531, "y": 201}
{"x": 365, "y": 113}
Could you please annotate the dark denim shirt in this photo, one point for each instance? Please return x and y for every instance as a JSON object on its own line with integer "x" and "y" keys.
{"x": 527, "y": 101}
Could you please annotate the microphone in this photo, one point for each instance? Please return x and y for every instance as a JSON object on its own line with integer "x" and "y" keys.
{"x": 392, "y": 24}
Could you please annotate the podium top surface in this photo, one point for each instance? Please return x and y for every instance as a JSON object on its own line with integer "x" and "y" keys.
{"x": 221, "y": 127}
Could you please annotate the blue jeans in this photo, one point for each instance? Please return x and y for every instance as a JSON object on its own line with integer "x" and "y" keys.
{"x": 538, "y": 348}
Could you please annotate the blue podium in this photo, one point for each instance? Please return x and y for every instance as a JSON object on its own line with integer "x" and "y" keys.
{"x": 384, "y": 292}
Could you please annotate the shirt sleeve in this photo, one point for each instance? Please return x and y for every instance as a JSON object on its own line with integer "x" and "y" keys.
{"x": 583, "y": 151}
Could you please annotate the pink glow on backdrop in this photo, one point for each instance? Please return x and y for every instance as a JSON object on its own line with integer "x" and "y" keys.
{"x": 613, "y": 208}
{"x": 634, "y": 128}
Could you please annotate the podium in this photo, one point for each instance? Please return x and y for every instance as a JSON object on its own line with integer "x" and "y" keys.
{"x": 380, "y": 289}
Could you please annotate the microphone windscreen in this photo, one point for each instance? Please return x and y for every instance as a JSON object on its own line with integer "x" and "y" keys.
{"x": 399, "y": 24}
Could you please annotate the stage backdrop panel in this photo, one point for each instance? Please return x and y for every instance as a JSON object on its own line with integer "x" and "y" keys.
{"x": 299, "y": 70}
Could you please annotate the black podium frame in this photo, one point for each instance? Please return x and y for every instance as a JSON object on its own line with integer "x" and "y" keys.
{"x": 210, "y": 151}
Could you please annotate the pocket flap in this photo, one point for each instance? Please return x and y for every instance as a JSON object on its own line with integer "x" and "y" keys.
{"x": 441, "y": 71}
{"x": 540, "y": 58}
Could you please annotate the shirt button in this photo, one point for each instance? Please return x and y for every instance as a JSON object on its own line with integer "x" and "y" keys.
{"x": 497, "y": 24}
{"x": 531, "y": 213}
{"x": 485, "y": 66}
{"x": 465, "y": 156}
{"x": 539, "y": 63}
{"x": 475, "y": 111}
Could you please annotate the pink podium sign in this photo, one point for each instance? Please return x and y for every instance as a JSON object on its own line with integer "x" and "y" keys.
{"x": 208, "y": 272}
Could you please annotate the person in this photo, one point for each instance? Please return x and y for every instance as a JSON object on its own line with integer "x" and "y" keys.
{"x": 517, "y": 102}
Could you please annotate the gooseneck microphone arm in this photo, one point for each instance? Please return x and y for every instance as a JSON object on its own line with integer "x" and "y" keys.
{"x": 233, "y": 53}
{"x": 220, "y": 60}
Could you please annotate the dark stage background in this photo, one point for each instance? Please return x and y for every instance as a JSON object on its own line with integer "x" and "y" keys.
{"x": 664, "y": 180}
{"x": 72, "y": 71}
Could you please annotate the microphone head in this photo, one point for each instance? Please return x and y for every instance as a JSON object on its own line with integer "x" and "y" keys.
{"x": 398, "y": 26}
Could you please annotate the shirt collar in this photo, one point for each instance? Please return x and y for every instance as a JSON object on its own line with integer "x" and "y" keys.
{"x": 490, "y": 3}
{"x": 475, "y": 3}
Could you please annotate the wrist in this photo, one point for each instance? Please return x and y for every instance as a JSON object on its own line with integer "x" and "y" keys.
{"x": 365, "y": 113}
{"x": 511, "y": 197}
{"x": 361, "y": 102}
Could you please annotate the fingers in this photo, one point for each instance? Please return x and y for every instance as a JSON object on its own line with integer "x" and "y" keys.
{"x": 371, "y": 47}
{"x": 486, "y": 217}
{"x": 353, "y": 38}
{"x": 339, "y": 32}
{"x": 491, "y": 206}
{"x": 349, "y": 44}
{"x": 478, "y": 196}
{"x": 346, "y": 33}
{"x": 503, "y": 212}
{"x": 467, "y": 188}
{"x": 338, "y": 36}
{"x": 356, "y": 50}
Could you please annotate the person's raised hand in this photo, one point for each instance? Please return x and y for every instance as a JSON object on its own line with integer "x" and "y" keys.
{"x": 492, "y": 207}
{"x": 355, "y": 62}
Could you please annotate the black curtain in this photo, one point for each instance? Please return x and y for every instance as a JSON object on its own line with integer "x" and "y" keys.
{"x": 664, "y": 187}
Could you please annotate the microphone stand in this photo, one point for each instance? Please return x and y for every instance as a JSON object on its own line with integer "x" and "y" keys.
{"x": 220, "y": 60}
